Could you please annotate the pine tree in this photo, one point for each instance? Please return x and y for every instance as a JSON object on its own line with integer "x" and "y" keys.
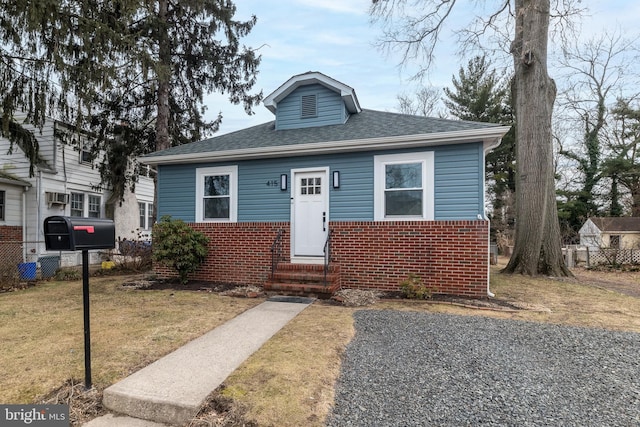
{"x": 622, "y": 165}
{"x": 134, "y": 74}
{"x": 480, "y": 94}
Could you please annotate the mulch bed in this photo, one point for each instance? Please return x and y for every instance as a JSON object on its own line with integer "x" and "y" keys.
{"x": 346, "y": 297}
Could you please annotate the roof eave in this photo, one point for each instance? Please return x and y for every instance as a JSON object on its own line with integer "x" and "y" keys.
{"x": 488, "y": 136}
{"x": 17, "y": 182}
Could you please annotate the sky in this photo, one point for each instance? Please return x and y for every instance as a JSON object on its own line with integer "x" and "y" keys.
{"x": 337, "y": 38}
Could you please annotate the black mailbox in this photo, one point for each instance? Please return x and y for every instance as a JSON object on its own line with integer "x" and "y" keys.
{"x": 64, "y": 233}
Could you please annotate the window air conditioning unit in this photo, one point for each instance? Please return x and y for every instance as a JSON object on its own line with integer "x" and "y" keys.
{"x": 57, "y": 198}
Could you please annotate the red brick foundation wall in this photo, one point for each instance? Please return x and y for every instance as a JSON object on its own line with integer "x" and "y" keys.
{"x": 238, "y": 253}
{"x": 10, "y": 233}
{"x": 450, "y": 256}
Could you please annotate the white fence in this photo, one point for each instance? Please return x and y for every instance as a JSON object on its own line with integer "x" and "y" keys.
{"x": 607, "y": 256}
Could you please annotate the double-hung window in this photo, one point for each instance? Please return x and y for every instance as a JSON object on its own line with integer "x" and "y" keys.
{"x": 217, "y": 194}
{"x": 145, "y": 210}
{"x": 404, "y": 186}
{"x": 77, "y": 204}
{"x": 94, "y": 206}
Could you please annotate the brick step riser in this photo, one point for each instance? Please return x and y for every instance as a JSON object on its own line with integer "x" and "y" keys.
{"x": 307, "y": 268}
{"x": 301, "y": 288}
{"x": 303, "y": 277}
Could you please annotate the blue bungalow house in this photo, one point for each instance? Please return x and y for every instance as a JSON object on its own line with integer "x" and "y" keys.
{"x": 332, "y": 195}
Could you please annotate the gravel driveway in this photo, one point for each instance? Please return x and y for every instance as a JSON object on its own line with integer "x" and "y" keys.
{"x": 423, "y": 369}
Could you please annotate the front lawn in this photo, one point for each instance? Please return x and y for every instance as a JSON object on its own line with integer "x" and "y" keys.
{"x": 41, "y": 330}
{"x": 289, "y": 381}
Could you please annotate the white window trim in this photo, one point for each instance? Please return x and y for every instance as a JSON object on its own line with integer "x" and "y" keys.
{"x": 232, "y": 171}
{"x": 148, "y": 224}
{"x": 84, "y": 203}
{"x": 428, "y": 187}
{"x": 89, "y": 196}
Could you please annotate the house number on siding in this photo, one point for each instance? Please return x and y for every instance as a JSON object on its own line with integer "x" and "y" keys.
{"x": 273, "y": 183}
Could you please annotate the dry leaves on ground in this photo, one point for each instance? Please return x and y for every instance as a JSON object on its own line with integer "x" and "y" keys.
{"x": 357, "y": 297}
{"x": 84, "y": 405}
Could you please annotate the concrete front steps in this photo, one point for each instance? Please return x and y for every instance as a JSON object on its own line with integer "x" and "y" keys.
{"x": 304, "y": 280}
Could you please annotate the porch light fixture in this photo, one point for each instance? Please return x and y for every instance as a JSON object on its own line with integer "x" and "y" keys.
{"x": 283, "y": 182}
{"x": 336, "y": 179}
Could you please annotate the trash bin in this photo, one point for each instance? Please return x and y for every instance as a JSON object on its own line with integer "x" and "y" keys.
{"x": 49, "y": 265}
{"x": 27, "y": 270}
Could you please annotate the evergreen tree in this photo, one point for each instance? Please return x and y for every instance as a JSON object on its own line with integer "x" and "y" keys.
{"x": 480, "y": 94}
{"x": 133, "y": 73}
{"x": 622, "y": 165}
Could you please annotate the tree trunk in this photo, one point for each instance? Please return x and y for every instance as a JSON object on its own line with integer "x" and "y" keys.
{"x": 163, "y": 74}
{"x": 635, "y": 201}
{"x": 537, "y": 248}
{"x": 616, "y": 208}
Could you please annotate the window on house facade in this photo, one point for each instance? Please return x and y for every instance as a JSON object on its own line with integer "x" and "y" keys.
{"x": 614, "y": 241}
{"x": 216, "y": 194}
{"x": 2, "y": 204}
{"x": 309, "y": 106}
{"x": 94, "y": 206}
{"x": 85, "y": 152}
{"x": 404, "y": 186}
{"x": 77, "y": 204}
{"x": 146, "y": 215}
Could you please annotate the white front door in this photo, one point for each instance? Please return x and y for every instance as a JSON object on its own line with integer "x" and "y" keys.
{"x": 310, "y": 212}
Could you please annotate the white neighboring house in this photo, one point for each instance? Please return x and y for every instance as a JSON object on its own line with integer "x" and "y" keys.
{"x": 64, "y": 183}
{"x": 611, "y": 232}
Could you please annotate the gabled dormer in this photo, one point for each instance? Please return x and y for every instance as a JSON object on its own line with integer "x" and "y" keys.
{"x": 312, "y": 99}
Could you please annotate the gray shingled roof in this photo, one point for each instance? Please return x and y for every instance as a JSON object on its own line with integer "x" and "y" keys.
{"x": 367, "y": 124}
{"x": 609, "y": 224}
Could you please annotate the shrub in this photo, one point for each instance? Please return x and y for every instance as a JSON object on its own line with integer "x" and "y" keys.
{"x": 413, "y": 288}
{"x": 68, "y": 274}
{"x": 178, "y": 246}
{"x": 136, "y": 254}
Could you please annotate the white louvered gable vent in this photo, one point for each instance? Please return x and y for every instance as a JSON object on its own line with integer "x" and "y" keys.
{"x": 309, "y": 106}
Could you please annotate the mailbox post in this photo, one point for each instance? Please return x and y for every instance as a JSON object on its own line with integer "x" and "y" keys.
{"x": 72, "y": 234}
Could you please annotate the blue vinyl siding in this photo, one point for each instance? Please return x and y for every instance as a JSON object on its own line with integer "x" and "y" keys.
{"x": 331, "y": 108}
{"x": 177, "y": 192}
{"x": 262, "y": 203}
{"x": 458, "y": 185}
{"x": 458, "y": 182}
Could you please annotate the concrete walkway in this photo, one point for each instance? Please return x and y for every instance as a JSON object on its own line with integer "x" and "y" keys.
{"x": 172, "y": 389}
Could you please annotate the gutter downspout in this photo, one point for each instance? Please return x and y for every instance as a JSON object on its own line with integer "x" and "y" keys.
{"x": 487, "y": 146}
{"x": 482, "y": 218}
{"x": 39, "y": 213}
{"x": 24, "y": 223}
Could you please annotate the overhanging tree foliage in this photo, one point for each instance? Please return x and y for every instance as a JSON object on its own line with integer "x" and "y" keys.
{"x": 44, "y": 66}
{"x": 417, "y": 27}
{"x": 132, "y": 73}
